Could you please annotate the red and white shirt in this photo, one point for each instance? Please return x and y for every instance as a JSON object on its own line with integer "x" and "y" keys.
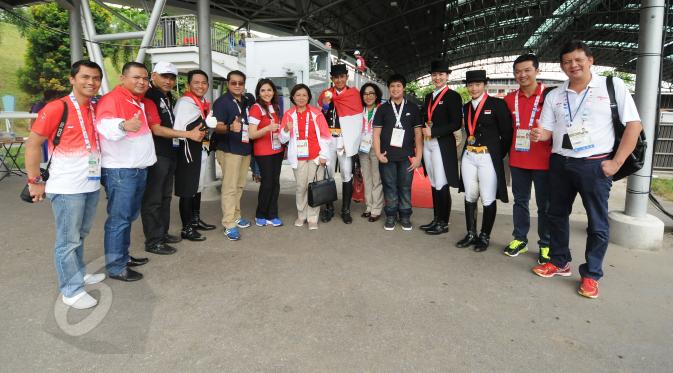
{"x": 261, "y": 118}
{"x": 122, "y": 149}
{"x": 537, "y": 158}
{"x": 69, "y": 170}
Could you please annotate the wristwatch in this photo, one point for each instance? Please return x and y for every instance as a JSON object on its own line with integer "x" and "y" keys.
{"x": 121, "y": 126}
{"x": 35, "y": 180}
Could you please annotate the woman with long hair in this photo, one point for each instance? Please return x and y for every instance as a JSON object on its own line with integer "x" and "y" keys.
{"x": 264, "y": 131}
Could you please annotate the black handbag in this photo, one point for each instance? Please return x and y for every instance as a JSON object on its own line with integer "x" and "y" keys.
{"x": 322, "y": 191}
{"x": 44, "y": 172}
{"x": 636, "y": 159}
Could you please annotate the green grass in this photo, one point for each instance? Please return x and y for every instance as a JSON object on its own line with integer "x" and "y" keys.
{"x": 663, "y": 187}
{"x": 14, "y": 48}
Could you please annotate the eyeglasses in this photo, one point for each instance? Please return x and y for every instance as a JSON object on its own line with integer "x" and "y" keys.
{"x": 236, "y": 83}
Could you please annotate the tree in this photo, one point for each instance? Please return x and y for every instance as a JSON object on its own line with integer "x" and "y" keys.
{"x": 48, "y": 56}
{"x": 629, "y": 79}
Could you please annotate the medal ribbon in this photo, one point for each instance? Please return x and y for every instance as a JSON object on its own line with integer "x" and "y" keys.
{"x": 437, "y": 100}
{"x": 472, "y": 125}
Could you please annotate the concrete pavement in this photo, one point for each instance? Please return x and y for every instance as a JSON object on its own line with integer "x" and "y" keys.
{"x": 340, "y": 299}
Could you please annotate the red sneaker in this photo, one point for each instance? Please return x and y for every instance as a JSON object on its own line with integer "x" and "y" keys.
{"x": 588, "y": 288}
{"x": 550, "y": 270}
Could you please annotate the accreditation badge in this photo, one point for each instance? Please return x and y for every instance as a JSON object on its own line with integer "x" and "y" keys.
{"x": 522, "y": 143}
{"x": 302, "y": 148}
{"x": 275, "y": 141}
{"x": 245, "y": 137}
{"x": 397, "y": 138}
{"x": 580, "y": 137}
{"x": 176, "y": 142}
{"x": 94, "y": 167}
{"x": 366, "y": 143}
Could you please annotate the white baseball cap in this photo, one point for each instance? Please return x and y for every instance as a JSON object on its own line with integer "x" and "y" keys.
{"x": 163, "y": 67}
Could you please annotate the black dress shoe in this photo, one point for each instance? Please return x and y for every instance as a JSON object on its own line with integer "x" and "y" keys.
{"x": 161, "y": 249}
{"x": 127, "y": 275}
{"x": 189, "y": 233}
{"x": 431, "y": 224}
{"x": 169, "y": 238}
{"x": 366, "y": 214}
{"x": 470, "y": 239}
{"x": 202, "y": 225}
{"x": 439, "y": 228}
{"x": 135, "y": 262}
{"x": 373, "y": 218}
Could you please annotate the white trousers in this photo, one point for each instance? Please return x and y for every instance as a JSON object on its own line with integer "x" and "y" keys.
{"x": 479, "y": 177}
{"x": 345, "y": 163}
{"x": 434, "y": 166}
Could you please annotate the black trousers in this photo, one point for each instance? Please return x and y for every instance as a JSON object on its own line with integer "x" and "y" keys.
{"x": 155, "y": 210}
{"x": 269, "y": 188}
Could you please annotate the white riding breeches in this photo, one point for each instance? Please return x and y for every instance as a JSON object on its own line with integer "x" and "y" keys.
{"x": 345, "y": 162}
{"x": 479, "y": 177}
{"x": 434, "y": 166}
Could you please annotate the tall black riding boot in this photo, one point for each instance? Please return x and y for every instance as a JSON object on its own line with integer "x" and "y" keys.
{"x": 471, "y": 222}
{"x": 346, "y": 195}
{"x": 486, "y": 226}
{"x": 442, "y": 225}
{"x": 431, "y": 224}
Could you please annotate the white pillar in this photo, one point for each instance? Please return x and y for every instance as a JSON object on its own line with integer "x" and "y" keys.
{"x": 209, "y": 192}
{"x": 635, "y": 228}
{"x": 151, "y": 29}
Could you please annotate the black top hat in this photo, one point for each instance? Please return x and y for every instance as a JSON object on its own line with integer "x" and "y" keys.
{"x": 339, "y": 69}
{"x": 439, "y": 67}
{"x": 475, "y": 76}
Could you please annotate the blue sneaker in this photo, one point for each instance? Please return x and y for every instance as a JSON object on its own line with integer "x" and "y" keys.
{"x": 242, "y": 223}
{"x": 232, "y": 234}
{"x": 261, "y": 222}
{"x": 275, "y": 222}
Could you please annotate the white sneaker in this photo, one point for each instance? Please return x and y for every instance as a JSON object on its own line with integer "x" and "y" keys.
{"x": 312, "y": 226}
{"x": 94, "y": 278}
{"x": 299, "y": 222}
{"x": 80, "y": 301}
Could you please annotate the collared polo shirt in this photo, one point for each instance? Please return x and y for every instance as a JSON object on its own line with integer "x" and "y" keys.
{"x": 600, "y": 127}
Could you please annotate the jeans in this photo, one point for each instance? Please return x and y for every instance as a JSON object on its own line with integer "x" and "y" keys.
{"x": 571, "y": 176}
{"x": 73, "y": 215}
{"x": 269, "y": 188}
{"x": 396, "y": 182}
{"x": 124, "y": 188}
{"x": 521, "y": 183}
{"x": 156, "y": 205}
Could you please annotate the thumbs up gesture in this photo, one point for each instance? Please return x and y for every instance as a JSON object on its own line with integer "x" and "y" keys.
{"x": 211, "y": 121}
{"x": 133, "y": 124}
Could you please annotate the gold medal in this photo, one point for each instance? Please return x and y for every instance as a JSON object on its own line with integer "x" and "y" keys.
{"x": 429, "y": 123}
{"x": 471, "y": 140}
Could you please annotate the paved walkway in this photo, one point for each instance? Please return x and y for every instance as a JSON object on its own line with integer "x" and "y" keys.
{"x": 340, "y": 299}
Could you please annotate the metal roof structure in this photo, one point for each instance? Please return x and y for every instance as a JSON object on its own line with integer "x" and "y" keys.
{"x": 404, "y": 35}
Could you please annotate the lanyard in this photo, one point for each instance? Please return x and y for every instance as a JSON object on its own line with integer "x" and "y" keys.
{"x": 572, "y": 117}
{"x": 168, "y": 105}
{"x": 296, "y": 125}
{"x": 437, "y": 100}
{"x": 471, "y": 125}
{"x": 85, "y": 134}
{"x": 367, "y": 119}
{"x": 240, "y": 112}
{"x": 532, "y": 115}
{"x": 398, "y": 115}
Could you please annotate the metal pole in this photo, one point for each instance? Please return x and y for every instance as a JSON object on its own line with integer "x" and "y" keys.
{"x": 209, "y": 192}
{"x": 121, "y": 36}
{"x": 151, "y": 29}
{"x": 647, "y": 89}
{"x": 75, "y": 33}
{"x": 95, "y": 52}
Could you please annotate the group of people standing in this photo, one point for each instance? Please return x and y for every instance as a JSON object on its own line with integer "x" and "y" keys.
{"x": 143, "y": 145}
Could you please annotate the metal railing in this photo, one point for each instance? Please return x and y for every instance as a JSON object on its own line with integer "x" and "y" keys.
{"x": 183, "y": 31}
{"x": 663, "y": 149}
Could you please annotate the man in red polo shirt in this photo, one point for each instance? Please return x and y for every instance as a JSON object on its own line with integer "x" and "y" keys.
{"x": 528, "y": 161}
